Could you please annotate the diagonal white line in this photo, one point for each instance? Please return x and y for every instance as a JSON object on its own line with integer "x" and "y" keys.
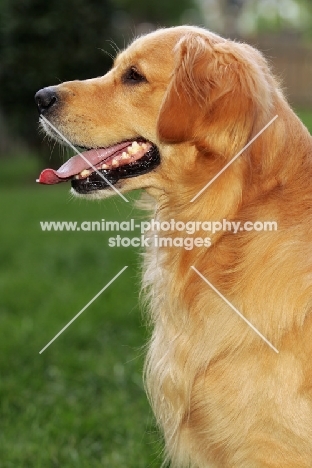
{"x": 235, "y": 310}
{"x": 82, "y": 156}
{"x": 84, "y": 308}
{"x": 234, "y": 159}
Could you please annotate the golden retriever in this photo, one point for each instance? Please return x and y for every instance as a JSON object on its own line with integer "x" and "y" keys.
{"x": 191, "y": 101}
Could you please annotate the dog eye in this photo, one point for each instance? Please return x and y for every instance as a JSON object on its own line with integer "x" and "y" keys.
{"x": 132, "y": 76}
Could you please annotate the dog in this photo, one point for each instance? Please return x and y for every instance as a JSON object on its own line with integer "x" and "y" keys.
{"x": 201, "y": 124}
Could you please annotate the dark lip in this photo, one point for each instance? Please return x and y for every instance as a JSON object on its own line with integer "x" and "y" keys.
{"x": 95, "y": 182}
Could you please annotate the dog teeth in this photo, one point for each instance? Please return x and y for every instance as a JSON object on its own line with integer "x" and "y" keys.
{"x": 128, "y": 155}
{"x": 85, "y": 173}
{"x": 135, "y": 147}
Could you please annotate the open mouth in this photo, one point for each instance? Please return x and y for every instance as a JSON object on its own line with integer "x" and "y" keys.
{"x": 97, "y": 169}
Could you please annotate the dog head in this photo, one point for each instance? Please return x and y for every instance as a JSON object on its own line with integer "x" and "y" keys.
{"x": 176, "y": 106}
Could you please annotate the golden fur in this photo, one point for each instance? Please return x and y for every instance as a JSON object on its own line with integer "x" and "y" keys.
{"x": 222, "y": 397}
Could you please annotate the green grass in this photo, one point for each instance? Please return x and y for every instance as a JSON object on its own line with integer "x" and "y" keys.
{"x": 306, "y": 116}
{"x": 19, "y": 169}
{"x": 81, "y": 402}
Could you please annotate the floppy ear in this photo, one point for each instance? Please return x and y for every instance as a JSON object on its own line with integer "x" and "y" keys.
{"x": 216, "y": 82}
{"x": 188, "y": 90}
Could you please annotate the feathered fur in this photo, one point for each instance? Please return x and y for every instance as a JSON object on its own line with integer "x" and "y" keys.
{"x": 222, "y": 397}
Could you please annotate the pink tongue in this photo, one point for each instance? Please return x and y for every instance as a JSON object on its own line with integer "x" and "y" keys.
{"x": 77, "y": 163}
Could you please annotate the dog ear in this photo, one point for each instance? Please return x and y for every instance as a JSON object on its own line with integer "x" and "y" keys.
{"x": 188, "y": 90}
{"x": 221, "y": 82}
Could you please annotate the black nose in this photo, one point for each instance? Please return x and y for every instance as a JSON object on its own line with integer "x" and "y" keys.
{"x": 46, "y": 98}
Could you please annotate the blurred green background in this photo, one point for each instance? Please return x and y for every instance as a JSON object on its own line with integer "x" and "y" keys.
{"x": 81, "y": 403}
